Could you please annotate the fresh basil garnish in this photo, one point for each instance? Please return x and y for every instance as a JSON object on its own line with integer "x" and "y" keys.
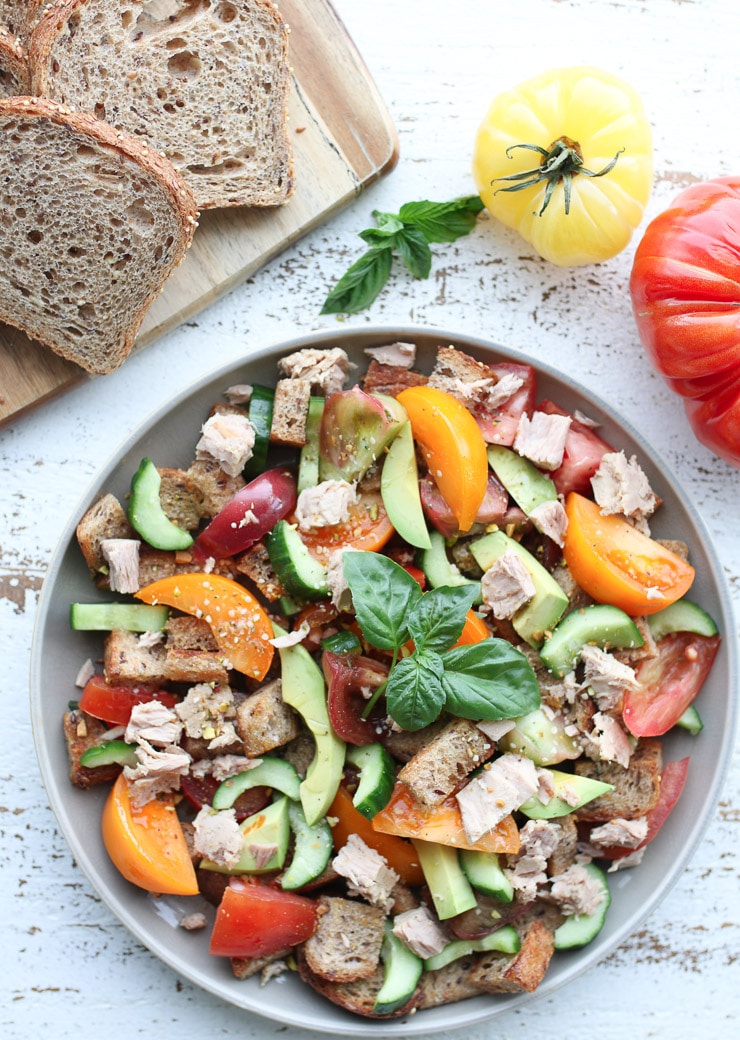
{"x": 481, "y": 681}
{"x": 407, "y": 234}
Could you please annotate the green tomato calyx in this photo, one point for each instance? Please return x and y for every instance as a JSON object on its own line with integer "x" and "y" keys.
{"x": 560, "y": 162}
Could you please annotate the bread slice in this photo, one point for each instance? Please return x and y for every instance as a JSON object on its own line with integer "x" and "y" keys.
{"x": 93, "y": 224}
{"x": 17, "y": 15}
{"x": 204, "y": 83}
{"x": 14, "y": 74}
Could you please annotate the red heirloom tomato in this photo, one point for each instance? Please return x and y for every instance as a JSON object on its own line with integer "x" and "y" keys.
{"x": 255, "y": 920}
{"x": 685, "y": 289}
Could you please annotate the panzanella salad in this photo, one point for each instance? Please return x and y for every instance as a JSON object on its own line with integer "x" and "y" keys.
{"x": 385, "y": 675}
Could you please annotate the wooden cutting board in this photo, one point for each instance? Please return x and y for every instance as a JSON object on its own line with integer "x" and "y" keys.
{"x": 343, "y": 139}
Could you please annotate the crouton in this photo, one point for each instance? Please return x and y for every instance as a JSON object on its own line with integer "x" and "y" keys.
{"x": 126, "y": 660}
{"x": 636, "y": 787}
{"x": 81, "y": 732}
{"x": 447, "y": 985}
{"x": 403, "y": 744}
{"x": 181, "y": 498}
{"x": 105, "y": 519}
{"x": 255, "y": 564}
{"x": 246, "y": 967}
{"x": 565, "y": 853}
{"x": 214, "y": 484}
{"x": 518, "y": 973}
{"x": 290, "y": 412}
{"x": 346, "y": 944}
{"x": 390, "y": 379}
{"x": 437, "y": 769}
{"x": 358, "y": 997}
{"x": 265, "y": 722}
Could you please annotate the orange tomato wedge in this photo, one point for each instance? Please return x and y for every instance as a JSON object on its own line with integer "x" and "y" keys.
{"x": 475, "y": 630}
{"x": 452, "y": 445}
{"x": 240, "y": 626}
{"x": 368, "y": 528}
{"x": 405, "y": 817}
{"x": 147, "y": 845}
{"x": 615, "y": 563}
{"x": 399, "y": 854}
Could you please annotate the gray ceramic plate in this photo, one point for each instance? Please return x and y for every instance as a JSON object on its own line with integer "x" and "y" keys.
{"x": 168, "y": 437}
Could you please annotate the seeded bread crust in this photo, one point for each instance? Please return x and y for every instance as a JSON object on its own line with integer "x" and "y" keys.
{"x": 95, "y": 222}
{"x": 205, "y": 84}
{"x": 14, "y": 74}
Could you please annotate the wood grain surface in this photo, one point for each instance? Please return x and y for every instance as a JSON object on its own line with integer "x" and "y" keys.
{"x": 342, "y": 139}
{"x": 71, "y": 970}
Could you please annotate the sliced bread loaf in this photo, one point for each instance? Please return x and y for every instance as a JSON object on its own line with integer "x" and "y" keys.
{"x": 93, "y": 224}
{"x": 204, "y": 82}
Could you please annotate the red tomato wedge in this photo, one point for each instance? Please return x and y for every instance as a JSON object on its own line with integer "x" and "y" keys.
{"x": 452, "y": 445}
{"x": 407, "y": 818}
{"x": 255, "y": 920}
{"x": 240, "y": 626}
{"x": 114, "y": 703}
{"x": 669, "y": 682}
{"x": 399, "y": 853}
{"x": 147, "y": 844}
{"x": 368, "y": 529}
{"x": 615, "y": 563}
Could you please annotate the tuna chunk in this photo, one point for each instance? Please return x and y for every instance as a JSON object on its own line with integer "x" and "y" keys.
{"x": 229, "y": 440}
{"x": 606, "y": 677}
{"x": 153, "y": 722}
{"x": 628, "y": 834}
{"x": 541, "y": 439}
{"x": 326, "y": 370}
{"x": 122, "y": 557}
{"x": 500, "y": 789}
{"x": 551, "y": 519}
{"x": 620, "y": 486}
{"x": 420, "y": 931}
{"x": 367, "y": 872}
{"x": 576, "y": 891}
{"x": 401, "y": 355}
{"x": 207, "y": 713}
{"x": 217, "y": 836}
{"x": 507, "y": 585}
{"x": 325, "y": 504}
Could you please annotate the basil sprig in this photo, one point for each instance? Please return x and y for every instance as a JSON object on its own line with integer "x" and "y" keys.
{"x": 407, "y": 234}
{"x": 481, "y": 681}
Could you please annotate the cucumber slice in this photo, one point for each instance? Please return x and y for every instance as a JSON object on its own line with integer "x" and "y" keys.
{"x": 681, "y": 616}
{"x": 297, "y": 570}
{"x": 109, "y": 753}
{"x": 377, "y": 778}
{"x": 527, "y": 485}
{"x": 105, "y": 617}
{"x": 691, "y": 721}
{"x": 484, "y": 873}
{"x": 439, "y": 570}
{"x": 579, "y": 930}
{"x": 344, "y": 642}
{"x": 312, "y": 850}
{"x": 271, "y": 772}
{"x": 261, "y": 405}
{"x": 308, "y": 464}
{"x": 505, "y": 940}
{"x": 401, "y": 972}
{"x": 599, "y": 625}
{"x": 146, "y": 515}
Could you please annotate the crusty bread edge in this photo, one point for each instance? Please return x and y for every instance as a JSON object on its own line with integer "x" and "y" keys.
{"x": 131, "y": 148}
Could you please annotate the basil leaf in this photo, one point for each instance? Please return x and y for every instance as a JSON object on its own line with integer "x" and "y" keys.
{"x": 413, "y": 249}
{"x": 389, "y": 222}
{"x": 439, "y": 617}
{"x": 383, "y": 594}
{"x": 489, "y": 680}
{"x": 443, "y": 221}
{"x": 414, "y": 695}
{"x": 380, "y": 237}
{"x": 361, "y": 284}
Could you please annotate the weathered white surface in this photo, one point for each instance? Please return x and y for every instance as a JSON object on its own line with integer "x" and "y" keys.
{"x": 69, "y": 969}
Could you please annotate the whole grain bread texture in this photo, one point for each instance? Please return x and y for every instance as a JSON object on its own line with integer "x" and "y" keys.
{"x": 19, "y": 15}
{"x": 204, "y": 82}
{"x": 94, "y": 222}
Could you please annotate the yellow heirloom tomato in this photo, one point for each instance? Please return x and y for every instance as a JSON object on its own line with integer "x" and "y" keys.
{"x": 566, "y": 160}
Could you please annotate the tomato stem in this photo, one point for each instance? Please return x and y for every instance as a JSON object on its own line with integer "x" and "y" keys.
{"x": 561, "y": 162}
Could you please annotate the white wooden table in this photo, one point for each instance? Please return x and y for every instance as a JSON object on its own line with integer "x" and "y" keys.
{"x": 73, "y": 972}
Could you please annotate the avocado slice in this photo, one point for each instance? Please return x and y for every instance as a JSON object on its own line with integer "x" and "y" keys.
{"x": 541, "y": 738}
{"x": 549, "y": 602}
{"x": 304, "y": 689}
{"x": 269, "y": 826}
{"x": 450, "y": 889}
{"x": 527, "y": 485}
{"x": 399, "y": 487}
{"x": 585, "y": 788}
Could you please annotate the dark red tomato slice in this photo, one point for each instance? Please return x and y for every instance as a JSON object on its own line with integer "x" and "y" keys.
{"x": 583, "y": 453}
{"x": 669, "y": 682}
{"x": 199, "y": 791}
{"x": 255, "y": 920}
{"x": 499, "y": 424}
{"x": 492, "y": 510}
{"x": 113, "y": 704}
{"x": 488, "y": 915}
{"x": 250, "y": 514}
{"x": 348, "y": 676}
{"x": 671, "y": 786}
